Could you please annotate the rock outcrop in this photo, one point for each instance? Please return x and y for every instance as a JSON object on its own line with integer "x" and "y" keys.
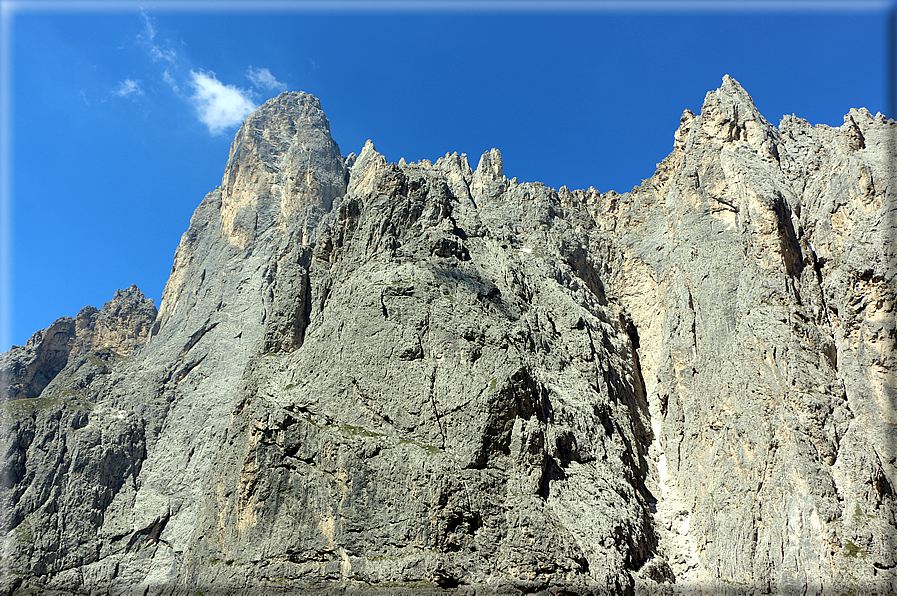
{"x": 123, "y": 323}
{"x": 423, "y": 378}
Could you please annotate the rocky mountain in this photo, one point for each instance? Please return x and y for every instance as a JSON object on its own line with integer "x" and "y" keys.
{"x": 369, "y": 377}
{"x": 120, "y": 326}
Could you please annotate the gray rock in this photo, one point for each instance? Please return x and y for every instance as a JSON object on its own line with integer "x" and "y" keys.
{"x": 123, "y": 323}
{"x": 420, "y": 378}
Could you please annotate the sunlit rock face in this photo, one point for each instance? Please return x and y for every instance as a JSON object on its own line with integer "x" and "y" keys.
{"x": 119, "y": 327}
{"x": 283, "y": 168}
{"x": 427, "y": 378}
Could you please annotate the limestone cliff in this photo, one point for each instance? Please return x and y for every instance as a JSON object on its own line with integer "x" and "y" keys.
{"x": 122, "y": 324}
{"x": 420, "y": 377}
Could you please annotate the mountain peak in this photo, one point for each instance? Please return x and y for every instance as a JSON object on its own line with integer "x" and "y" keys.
{"x": 731, "y": 102}
{"x": 119, "y": 327}
{"x": 282, "y": 163}
{"x": 730, "y": 116}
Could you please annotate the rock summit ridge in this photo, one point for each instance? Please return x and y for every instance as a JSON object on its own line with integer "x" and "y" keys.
{"x": 119, "y": 327}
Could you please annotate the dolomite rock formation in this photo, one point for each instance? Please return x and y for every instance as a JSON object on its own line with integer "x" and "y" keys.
{"x": 368, "y": 377}
{"x": 122, "y": 324}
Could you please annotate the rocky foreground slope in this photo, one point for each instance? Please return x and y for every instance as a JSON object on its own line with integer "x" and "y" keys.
{"x": 420, "y": 377}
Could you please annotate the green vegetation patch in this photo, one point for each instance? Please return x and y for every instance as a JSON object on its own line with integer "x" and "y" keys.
{"x": 431, "y": 449}
{"x": 102, "y": 358}
{"x": 859, "y": 515}
{"x": 406, "y": 584}
{"x": 397, "y": 282}
{"x": 29, "y": 405}
{"x": 357, "y": 431}
{"x": 298, "y": 383}
{"x": 24, "y": 533}
{"x": 852, "y": 550}
{"x": 98, "y": 362}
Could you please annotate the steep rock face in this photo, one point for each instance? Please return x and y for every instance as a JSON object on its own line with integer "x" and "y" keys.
{"x": 425, "y": 377}
{"x": 283, "y": 169}
{"x": 437, "y": 433}
{"x": 775, "y": 447}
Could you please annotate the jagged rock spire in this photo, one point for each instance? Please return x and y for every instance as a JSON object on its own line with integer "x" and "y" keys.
{"x": 729, "y": 115}
{"x": 282, "y": 162}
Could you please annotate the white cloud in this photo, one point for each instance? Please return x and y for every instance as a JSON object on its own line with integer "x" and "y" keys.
{"x": 149, "y": 29}
{"x": 128, "y": 87}
{"x": 166, "y": 76}
{"x": 219, "y": 106}
{"x": 263, "y": 79}
{"x": 148, "y": 36}
{"x": 157, "y": 53}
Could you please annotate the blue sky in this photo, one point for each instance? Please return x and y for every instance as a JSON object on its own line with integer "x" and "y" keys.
{"x": 119, "y": 116}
